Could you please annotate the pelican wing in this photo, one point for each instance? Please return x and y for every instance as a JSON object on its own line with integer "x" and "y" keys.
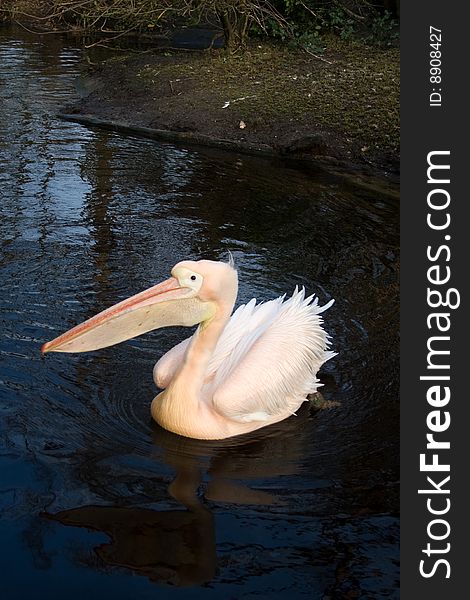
{"x": 270, "y": 366}
{"x": 246, "y": 319}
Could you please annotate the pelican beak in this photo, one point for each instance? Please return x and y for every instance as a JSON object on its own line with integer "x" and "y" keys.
{"x": 162, "y": 305}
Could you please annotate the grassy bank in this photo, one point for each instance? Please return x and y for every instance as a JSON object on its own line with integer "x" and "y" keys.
{"x": 343, "y": 103}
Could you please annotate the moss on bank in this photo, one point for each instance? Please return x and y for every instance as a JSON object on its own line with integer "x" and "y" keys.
{"x": 344, "y": 103}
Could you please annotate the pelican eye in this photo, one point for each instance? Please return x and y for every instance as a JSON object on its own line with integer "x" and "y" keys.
{"x": 193, "y": 277}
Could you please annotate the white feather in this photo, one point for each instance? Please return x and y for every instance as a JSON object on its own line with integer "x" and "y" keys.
{"x": 272, "y": 349}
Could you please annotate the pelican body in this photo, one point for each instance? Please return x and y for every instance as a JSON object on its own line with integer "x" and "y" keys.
{"x": 238, "y": 372}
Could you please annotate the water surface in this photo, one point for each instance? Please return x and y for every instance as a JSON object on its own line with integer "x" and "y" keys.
{"x": 95, "y": 498}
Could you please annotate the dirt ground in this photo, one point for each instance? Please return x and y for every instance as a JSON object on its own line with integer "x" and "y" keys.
{"x": 342, "y": 105}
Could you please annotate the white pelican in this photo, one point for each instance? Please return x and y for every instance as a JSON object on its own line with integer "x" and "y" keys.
{"x": 238, "y": 372}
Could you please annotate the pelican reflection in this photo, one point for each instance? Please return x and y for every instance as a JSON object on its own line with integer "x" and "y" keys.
{"x": 178, "y": 547}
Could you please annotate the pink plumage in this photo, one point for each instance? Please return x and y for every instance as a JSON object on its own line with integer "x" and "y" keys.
{"x": 238, "y": 372}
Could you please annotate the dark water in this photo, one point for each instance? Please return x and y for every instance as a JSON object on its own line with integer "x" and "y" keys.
{"x": 97, "y": 500}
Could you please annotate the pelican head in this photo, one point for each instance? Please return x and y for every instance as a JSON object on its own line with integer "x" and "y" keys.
{"x": 196, "y": 292}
